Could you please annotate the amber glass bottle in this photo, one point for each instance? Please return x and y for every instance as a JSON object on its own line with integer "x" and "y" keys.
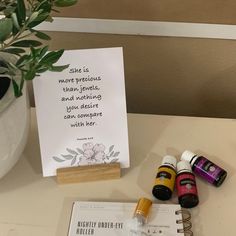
{"x": 165, "y": 179}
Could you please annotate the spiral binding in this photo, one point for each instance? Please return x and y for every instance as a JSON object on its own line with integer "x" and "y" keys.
{"x": 186, "y": 222}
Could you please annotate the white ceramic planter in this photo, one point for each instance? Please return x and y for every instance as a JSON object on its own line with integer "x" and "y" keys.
{"x": 14, "y": 129}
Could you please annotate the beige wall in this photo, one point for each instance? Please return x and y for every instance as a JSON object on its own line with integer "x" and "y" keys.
{"x": 180, "y": 76}
{"x": 208, "y": 11}
{"x": 177, "y": 76}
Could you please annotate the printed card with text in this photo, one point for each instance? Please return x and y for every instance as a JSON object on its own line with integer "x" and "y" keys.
{"x": 81, "y": 111}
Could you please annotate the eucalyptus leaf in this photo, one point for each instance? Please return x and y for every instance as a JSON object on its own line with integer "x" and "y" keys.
{"x": 41, "y": 69}
{"x": 6, "y": 28}
{"x": 27, "y": 43}
{"x": 38, "y": 20}
{"x": 16, "y": 88}
{"x": 30, "y": 74}
{"x": 21, "y": 12}
{"x": 16, "y": 51}
{"x": 15, "y": 30}
{"x": 51, "y": 57}
{"x": 33, "y": 52}
{"x": 58, "y": 68}
{"x": 22, "y": 60}
{"x": 44, "y": 5}
{"x": 41, "y": 35}
{"x": 15, "y": 21}
{"x": 65, "y": 3}
{"x": 43, "y": 51}
{"x": 33, "y": 16}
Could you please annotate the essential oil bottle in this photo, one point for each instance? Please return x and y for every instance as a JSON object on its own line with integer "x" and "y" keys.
{"x": 205, "y": 168}
{"x": 186, "y": 185}
{"x": 165, "y": 179}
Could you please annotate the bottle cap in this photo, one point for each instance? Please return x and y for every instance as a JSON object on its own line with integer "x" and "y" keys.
{"x": 169, "y": 160}
{"x": 187, "y": 156}
{"x": 143, "y": 207}
{"x": 183, "y": 166}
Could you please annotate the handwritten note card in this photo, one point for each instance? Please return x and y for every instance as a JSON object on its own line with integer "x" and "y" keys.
{"x": 81, "y": 112}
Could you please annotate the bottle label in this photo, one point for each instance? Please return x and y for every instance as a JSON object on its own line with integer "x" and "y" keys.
{"x": 186, "y": 184}
{"x": 166, "y": 176}
{"x": 207, "y": 170}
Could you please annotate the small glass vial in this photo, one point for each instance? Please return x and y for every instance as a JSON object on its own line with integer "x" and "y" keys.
{"x": 165, "y": 179}
{"x": 142, "y": 210}
{"x": 205, "y": 168}
{"x": 186, "y": 185}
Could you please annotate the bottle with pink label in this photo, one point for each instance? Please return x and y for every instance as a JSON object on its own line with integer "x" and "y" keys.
{"x": 186, "y": 185}
{"x": 205, "y": 168}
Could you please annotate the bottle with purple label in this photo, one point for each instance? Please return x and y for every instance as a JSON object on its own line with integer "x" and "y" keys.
{"x": 205, "y": 168}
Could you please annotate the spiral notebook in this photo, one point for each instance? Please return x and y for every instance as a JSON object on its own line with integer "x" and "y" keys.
{"x": 115, "y": 219}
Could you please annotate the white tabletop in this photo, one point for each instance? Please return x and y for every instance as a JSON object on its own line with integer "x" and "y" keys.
{"x": 31, "y": 205}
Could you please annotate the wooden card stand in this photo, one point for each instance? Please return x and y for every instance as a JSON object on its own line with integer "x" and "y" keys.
{"x": 88, "y": 173}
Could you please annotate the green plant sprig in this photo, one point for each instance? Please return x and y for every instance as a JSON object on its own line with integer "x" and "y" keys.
{"x": 17, "y": 29}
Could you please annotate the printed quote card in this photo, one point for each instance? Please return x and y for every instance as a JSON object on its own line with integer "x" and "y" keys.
{"x": 81, "y": 111}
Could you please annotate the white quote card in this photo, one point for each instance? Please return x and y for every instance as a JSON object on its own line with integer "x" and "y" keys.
{"x": 81, "y": 111}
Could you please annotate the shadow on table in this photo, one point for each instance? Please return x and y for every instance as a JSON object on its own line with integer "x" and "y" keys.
{"x": 144, "y": 132}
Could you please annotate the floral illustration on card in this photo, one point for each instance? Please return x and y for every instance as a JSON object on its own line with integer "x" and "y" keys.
{"x": 89, "y": 154}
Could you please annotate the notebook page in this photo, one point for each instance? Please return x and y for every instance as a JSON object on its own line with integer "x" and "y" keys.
{"x": 115, "y": 219}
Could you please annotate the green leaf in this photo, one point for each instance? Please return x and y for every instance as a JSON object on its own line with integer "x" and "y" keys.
{"x": 65, "y": 3}
{"x": 30, "y": 75}
{"x": 21, "y": 12}
{"x": 6, "y": 28}
{"x": 41, "y": 18}
{"x": 27, "y": 43}
{"x": 32, "y": 17}
{"x": 15, "y": 21}
{"x": 16, "y": 88}
{"x": 34, "y": 53}
{"x": 40, "y": 35}
{"x": 22, "y": 60}
{"x": 43, "y": 51}
{"x": 16, "y": 51}
{"x": 58, "y": 68}
{"x": 42, "y": 69}
{"x": 22, "y": 83}
{"x": 15, "y": 30}
{"x": 45, "y": 6}
{"x": 51, "y": 57}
